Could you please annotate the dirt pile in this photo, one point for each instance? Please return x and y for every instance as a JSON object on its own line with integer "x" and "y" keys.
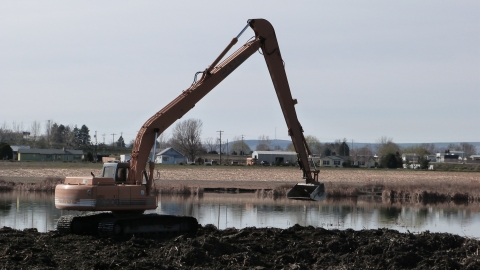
{"x": 250, "y": 248}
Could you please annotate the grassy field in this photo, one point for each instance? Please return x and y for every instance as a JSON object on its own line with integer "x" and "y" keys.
{"x": 274, "y": 181}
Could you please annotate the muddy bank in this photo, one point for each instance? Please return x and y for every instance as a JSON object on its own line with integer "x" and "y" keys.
{"x": 294, "y": 248}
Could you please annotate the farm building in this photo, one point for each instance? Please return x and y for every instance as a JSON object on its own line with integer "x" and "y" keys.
{"x": 15, "y": 150}
{"x": 169, "y": 156}
{"x": 50, "y": 155}
{"x": 274, "y": 157}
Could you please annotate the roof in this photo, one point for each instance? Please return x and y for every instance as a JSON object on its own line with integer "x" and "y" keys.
{"x": 16, "y": 147}
{"x": 334, "y": 157}
{"x": 168, "y": 149}
{"x": 51, "y": 151}
{"x": 275, "y": 153}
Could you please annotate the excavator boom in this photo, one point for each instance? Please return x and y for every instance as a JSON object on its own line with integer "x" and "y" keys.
{"x": 265, "y": 39}
{"x": 124, "y": 194}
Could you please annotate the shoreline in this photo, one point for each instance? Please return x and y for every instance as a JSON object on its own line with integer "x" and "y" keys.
{"x": 269, "y": 181}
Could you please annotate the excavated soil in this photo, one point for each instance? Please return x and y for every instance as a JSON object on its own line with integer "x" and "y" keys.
{"x": 250, "y": 248}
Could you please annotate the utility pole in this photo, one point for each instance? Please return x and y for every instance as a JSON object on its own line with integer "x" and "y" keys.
{"x": 96, "y": 154}
{"x": 220, "y": 131}
{"x": 113, "y": 139}
{"x": 103, "y": 142}
{"x": 242, "y": 147}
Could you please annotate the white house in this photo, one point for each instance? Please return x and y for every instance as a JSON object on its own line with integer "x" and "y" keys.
{"x": 364, "y": 161}
{"x": 275, "y": 157}
{"x": 450, "y": 156}
{"x": 332, "y": 161}
{"x": 169, "y": 156}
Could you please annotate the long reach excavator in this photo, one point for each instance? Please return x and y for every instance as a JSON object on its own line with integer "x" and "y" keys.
{"x": 116, "y": 201}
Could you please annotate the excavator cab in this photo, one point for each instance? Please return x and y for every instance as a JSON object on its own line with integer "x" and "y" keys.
{"x": 117, "y": 171}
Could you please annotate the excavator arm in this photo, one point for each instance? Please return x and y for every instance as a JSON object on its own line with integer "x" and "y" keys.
{"x": 265, "y": 40}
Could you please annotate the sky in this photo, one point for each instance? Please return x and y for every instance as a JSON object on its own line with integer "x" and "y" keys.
{"x": 360, "y": 70}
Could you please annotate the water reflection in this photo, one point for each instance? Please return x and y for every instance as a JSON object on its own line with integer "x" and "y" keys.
{"x": 37, "y": 210}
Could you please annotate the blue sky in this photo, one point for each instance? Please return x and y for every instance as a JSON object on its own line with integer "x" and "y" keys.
{"x": 408, "y": 70}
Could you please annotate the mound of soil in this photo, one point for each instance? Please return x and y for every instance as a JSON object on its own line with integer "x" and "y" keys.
{"x": 250, "y": 248}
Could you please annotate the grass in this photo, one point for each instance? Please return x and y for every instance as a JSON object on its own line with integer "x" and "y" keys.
{"x": 46, "y": 185}
{"x": 178, "y": 190}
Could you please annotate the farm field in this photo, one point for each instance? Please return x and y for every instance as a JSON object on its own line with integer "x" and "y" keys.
{"x": 343, "y": 182}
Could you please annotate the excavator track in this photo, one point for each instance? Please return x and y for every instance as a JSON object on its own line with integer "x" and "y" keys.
{"x": 109, "y": 225}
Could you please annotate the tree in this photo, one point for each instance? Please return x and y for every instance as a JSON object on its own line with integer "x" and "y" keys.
{"x": 390, "y": 161}
{"x": 264, "y": 144}
{"x": 386, "y": 146}
{"x": 327, "y": 151}
{"x": 6, "y": 151}
{"x": 239, "y": 146}
{"x": 120, "y": 142}
{"x": 210, "y": 145}
{"x": 163, "y": 141}
{"x": 186, "y": 137}
{"x": 343, "y": 149}
{"x": 84, "y": 136}
{"x": 362, "y": 151}
{"x": 419, "y": 150}
{"x": 468, "y": 148}
{"x": 314, "y": 144}
{"x": 35, "y": 130}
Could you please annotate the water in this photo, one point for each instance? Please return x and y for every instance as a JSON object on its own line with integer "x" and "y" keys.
{"x": 22, "y": 210}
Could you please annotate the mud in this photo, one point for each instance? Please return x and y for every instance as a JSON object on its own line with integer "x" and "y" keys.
{"x": 250, "y": 248}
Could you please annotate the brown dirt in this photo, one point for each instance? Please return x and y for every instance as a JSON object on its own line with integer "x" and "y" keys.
{"x": 250, "y": 248}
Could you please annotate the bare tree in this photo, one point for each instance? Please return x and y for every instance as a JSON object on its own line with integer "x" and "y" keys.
{"x": 386, "y": 146}
{"x": 35, "y": 130}
{"x": 314, "y": 144}
{"x": 239, "y": 147}
{"x": 468, "y": 148}
{"x": 362, "y": 151}
{"x": 222, "y": 147}
{"x": 48, "y": 132}
{"x": 210, "y": 145}
{"x": 186, "y": 137}
{"x": 163, "y": 141}
{"x": 419, "y": 150}
{"x": 264, "y": 144}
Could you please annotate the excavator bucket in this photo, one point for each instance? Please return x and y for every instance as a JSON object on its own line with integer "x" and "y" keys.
{"x": 301, "y": 191}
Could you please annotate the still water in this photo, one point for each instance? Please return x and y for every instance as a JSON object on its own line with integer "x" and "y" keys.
{"x": 22, "y": 210}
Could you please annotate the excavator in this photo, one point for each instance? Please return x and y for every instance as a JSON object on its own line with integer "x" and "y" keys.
{"x": 116, "y": 201}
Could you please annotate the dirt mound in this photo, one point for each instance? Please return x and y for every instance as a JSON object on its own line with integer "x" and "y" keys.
{"x": 250, "y": 248}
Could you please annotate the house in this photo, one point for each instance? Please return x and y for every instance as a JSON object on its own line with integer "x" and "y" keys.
{"x": 50, "y": 155}
{"x": 15, "y": 150}
{"x": 274, "y": 157}
{"x": 448, "y": 156}
{"x": 333, "y": 161}
{"x": 169, "y": 156}
{"x": 364, "y": 161}
{"x": 475, "y": 157}
{"x": 410, "y": 158}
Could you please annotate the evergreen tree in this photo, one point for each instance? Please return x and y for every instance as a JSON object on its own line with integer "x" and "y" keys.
{"x": 6, "y": 151}
{"x": 84, "y": 136}
{"x": 120, "y": 142}
{"x": 343, "y": 149}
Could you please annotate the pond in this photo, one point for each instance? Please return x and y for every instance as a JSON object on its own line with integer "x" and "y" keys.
{"x": 22, "y": 210}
